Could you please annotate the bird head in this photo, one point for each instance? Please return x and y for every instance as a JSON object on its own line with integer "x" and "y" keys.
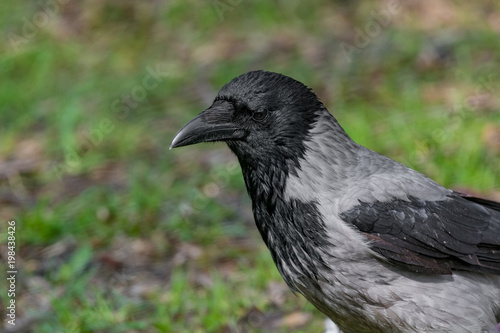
{"x": 259, "y": 115}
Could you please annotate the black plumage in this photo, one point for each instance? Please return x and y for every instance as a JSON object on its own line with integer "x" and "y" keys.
{"x": 432, "y": 236}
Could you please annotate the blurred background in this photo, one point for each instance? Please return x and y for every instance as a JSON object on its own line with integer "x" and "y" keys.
{"x": 115, "y": 233}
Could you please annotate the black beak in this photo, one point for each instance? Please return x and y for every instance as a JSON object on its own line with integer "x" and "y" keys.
{"x": 213, "y": 124}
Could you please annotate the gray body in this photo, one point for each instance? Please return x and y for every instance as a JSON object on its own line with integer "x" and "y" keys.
{"x": 359, "y": 283}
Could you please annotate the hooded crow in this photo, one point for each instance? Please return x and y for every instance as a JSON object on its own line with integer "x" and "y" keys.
{"x": 373, "y": 244}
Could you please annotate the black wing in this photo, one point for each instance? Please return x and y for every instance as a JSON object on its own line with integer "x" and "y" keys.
{"x": 433, "y": 236}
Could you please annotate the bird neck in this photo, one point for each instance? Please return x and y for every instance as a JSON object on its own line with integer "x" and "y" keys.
{"x": 292, "y": 229}
{"x": 331, "y": 158}
{"x": 266, "y": 180}
{"x": 324, "y": 156}
{"x": 291, "y": 226}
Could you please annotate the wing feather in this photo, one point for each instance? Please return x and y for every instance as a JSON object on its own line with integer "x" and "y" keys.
{"x": 458, "y": 233}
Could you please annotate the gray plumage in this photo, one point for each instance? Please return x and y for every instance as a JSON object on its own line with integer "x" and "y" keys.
{"x": 376, "y": 246}
{"x": 358, "y": 283}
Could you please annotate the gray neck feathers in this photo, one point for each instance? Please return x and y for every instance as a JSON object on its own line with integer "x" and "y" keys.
{"x": 335, "y": 167}
{"x": 329, "y": 160}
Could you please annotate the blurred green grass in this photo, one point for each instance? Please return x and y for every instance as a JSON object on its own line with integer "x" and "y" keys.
{"x": 118, "y": 234}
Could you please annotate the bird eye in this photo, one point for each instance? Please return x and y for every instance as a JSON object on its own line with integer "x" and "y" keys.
{"x": 259, "y": 115}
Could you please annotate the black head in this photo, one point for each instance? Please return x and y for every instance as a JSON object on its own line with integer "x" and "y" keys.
{"x": 260, "y": 115}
